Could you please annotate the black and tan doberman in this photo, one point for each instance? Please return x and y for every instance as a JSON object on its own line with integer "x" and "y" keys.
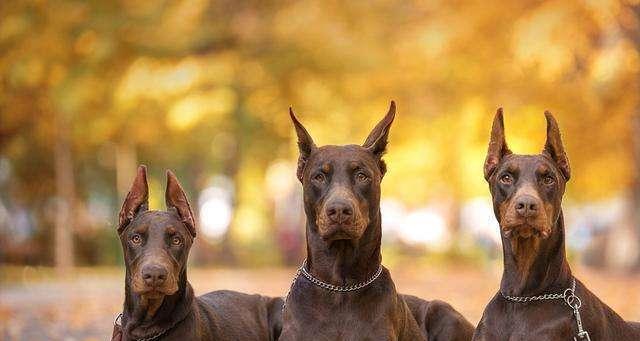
{"x": 342, "y": 292}
{"x": 159, "y": 301}
{"x": 539, "y": 298}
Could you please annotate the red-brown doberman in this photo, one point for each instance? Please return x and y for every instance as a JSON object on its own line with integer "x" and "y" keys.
{"x": 342, "y": 292}
{"x": 159, "y": 301}
{"x": 539, "y": 298}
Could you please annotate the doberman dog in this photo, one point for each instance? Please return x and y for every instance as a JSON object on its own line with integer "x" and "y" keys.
{"x": 539, "y": 298}
{"x": 159, "y": 301}
{"x": 342, "y": 292}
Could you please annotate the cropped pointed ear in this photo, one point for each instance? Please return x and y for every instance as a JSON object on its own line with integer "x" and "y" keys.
{"x": 137, "y": 199}
{"x": 305, "y": 144}
{"x": 377, "y": 140}
{"x": 177, "y": 200}
{"x": 497, "y": 146}
{"x": 553, "y": 146}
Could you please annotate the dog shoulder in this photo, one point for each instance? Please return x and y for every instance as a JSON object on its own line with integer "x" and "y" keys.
{"x": 611, "y": 325}
{"x": 488, "y": 321}
{"x": 233, "y": 300}
{"x": 634, "y": 326}
{"x": 251, "y": 309}
{"x": 446, "y": 323}
{"x": 236, "y": 314}
{"x": 439, "y": 319}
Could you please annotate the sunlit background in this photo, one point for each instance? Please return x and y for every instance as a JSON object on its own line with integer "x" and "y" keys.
{"x": 91, "y": 89}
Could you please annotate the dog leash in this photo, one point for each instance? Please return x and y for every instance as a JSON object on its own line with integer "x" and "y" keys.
{"x": 302, "y": 270}
{"x": 570, "y": 298}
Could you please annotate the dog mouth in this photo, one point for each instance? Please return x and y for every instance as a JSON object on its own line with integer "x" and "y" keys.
{"x": 154, "y": 291}
{"x": 153, "y": 294}
{"x": 333, "y": 232}
{"x": 339, "y": 232}
{"x": 525, "y": 230}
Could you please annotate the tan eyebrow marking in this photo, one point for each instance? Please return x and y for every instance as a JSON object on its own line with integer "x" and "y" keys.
{"x": 512, "y": 168}
{"x": 326, "y": 168}
{"x": 141, "y": 228}
{"x": 543, "y": 169}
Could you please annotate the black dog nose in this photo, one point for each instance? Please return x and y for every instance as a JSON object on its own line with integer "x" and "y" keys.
{"x": 154, "y": 274}
{"x": 527, "y": 206}
{"x": 339, "y": 212}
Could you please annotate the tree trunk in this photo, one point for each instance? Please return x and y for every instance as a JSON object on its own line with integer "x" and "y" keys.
{"x": 633, "y": 33}
{"x": 635, "y": 190}
{"x": 231, "y": 168}
{"x": 65, "y": 192}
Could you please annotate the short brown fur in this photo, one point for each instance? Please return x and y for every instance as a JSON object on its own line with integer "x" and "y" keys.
{"x": 527, "y": 194}
{"x": 159, "y": 301}
{"x": 341, "y": 190}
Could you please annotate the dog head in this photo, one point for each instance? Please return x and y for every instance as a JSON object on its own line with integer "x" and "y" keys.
{"x": 341, "y": 184}
{"x": 155, "y": 243}
{"x": 527, "y": 190}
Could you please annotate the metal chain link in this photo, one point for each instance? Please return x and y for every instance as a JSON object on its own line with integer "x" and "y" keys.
{"x": 570, "y": 298}
{"x": 293, "y": 282}
{"x": 328, "y": 286}
{"x": 574, "y": 302}
{"x": 118, "y": 322}
{"x": 338, "y": 288}
{"x": 524, "y": 299}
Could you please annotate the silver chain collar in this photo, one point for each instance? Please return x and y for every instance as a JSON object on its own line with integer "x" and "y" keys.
{"x": 328, "y": 286}
{"x": 338, "y": 288}
{"x": 557, "y": 296}
{"x": 569, "y": 297}
{"x": 118, "y": 323}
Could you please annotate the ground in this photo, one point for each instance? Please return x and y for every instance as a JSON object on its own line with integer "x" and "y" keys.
{"x": 37, "y": 305}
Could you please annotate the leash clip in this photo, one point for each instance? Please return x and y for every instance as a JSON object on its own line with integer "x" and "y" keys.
{"x": 574, "y": 302}
{"x": 583, "y": 335}
{"x": 118, "y": 321}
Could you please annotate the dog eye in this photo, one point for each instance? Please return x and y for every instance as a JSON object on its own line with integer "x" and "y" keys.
{"x": 506, "y": 179}
{"x": 361, "y": 177}
{"x": 548, "y": 180}
{"x": 319, "y": 177}
{"x": 176, "y": 240}
{"x": 136, "y": 239}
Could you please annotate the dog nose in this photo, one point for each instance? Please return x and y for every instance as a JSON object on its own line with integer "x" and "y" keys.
{"x": 154, "y": 274}
{"x": 339, "y": 212}
{"x": 527, "y": 206}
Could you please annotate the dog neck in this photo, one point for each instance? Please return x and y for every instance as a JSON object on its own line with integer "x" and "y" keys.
{"x": 533, "y": 266}
{"x": 142, "y": 317}
{"x": 344, "y": 262}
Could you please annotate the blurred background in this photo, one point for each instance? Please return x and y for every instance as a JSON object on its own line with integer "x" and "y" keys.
{"x": 91, "y": 89}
